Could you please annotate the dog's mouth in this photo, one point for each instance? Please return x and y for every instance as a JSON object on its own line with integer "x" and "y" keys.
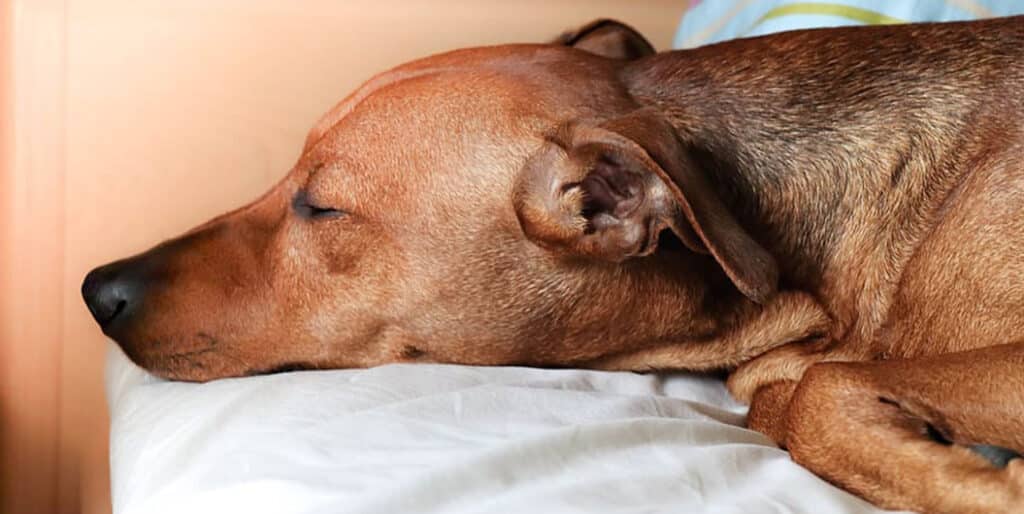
{"x": 282, "y": 368}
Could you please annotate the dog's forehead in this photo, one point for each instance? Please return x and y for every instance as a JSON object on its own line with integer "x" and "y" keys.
{"x": 490, "y": 72}
{"x": 440, "y": 113}
{"x": 436, "y": 141}
{"x": 444, "y": 137}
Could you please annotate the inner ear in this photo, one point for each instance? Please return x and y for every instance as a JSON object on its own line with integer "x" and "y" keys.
{"x": 582, "y": 196}
{"x": 610, "y": 190}
{"x": 608, "y": 38}
{"x": 750, "y": 267}
{"x": 617, "y": 188}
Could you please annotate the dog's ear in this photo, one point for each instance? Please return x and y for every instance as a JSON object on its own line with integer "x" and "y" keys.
{"x": 606, "y": 192}
{"x": 608, "y": 38}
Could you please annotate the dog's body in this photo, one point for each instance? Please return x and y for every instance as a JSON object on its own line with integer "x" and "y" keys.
{"x": 846, "y": 195}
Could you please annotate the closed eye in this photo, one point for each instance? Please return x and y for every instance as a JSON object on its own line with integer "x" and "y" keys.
{"x": 306, "y": 208}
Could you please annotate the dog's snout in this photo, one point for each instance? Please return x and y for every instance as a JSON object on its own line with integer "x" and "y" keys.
{"x": 112, "y": 293}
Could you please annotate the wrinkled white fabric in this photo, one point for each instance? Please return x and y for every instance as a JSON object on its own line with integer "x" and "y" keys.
{"x": 453, "y": 439}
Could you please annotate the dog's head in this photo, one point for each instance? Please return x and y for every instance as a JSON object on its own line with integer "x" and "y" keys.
{"x": 496, "y": 205}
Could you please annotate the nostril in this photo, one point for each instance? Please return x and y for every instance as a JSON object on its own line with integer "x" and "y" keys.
{"x": 108, "y": 292}
{"x": 104, "y": 307}
{"x": 118, "y": 309}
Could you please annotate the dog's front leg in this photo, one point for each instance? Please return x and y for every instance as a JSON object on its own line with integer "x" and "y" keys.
{"x": 767, "y": 383}
{"x": 899, "y": 433}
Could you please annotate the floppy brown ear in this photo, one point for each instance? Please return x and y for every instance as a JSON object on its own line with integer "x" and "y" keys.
{"x": 607, "y": 192}
{"x": 608, "y": 38}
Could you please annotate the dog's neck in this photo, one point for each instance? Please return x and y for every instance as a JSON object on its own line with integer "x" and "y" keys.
{"x": 829, "y": 175}
{"x": 768, "y": 171}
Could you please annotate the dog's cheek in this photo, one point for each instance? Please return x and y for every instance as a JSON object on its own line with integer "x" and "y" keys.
{"x": 347, "y": 248}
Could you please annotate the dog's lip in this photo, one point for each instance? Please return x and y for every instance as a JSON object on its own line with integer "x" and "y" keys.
{"x": 190, "y": 353}
{"x": 286, "y": 367}
{"x": 203, "y": 343}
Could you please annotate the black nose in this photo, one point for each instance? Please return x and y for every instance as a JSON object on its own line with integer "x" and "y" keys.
{"x": 113, "y": 292}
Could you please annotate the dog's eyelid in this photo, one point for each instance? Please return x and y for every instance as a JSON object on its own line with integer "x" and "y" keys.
{"x": 305, "y": 208}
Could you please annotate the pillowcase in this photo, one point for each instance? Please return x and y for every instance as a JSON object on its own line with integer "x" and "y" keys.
{"x": 711, "y": 21}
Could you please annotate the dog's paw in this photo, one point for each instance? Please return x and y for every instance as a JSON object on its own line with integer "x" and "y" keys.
{"x": 768, "y": 410}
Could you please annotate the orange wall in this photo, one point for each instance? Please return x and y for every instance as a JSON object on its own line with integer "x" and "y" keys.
{"x": 137, "y": 119}
{"x": 32, "y": 222}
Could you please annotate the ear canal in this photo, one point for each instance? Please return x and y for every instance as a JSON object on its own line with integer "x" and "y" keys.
{"x": 748, "y": 265}
{"x": 608, "y": 38}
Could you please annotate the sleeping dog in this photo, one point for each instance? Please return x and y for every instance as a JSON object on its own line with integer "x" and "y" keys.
{"x": 834, "y": 216}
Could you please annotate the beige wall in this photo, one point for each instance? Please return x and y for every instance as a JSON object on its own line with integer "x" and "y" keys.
{"x": 134, "y": 120}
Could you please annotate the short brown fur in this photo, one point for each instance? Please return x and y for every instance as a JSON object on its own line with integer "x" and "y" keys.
{"x": 835, "y": 216}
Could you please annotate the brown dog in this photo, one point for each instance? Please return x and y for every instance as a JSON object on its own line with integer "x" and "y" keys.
{"x": 849, "y": 195}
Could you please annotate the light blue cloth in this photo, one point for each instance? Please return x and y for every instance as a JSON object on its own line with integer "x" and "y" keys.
{"x": 711, "y": 21}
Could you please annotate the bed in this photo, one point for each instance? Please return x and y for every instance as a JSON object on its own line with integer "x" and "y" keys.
{"x": 452, "y": 439}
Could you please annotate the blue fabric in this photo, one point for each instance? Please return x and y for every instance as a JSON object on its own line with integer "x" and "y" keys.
{"x": 711, "y": 21}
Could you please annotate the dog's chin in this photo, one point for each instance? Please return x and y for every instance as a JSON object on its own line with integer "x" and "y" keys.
{"x": 190, "y": 366}
{"x": 179, "y": 375}
{"x": 166, "y": 369}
